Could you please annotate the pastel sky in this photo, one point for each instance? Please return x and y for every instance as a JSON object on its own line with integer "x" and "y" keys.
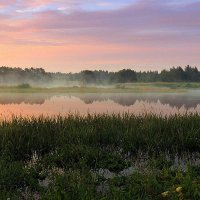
{"x": 72, "y": 35}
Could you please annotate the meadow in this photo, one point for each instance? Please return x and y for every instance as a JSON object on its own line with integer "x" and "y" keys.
{"x": 157, "y": 87}
{"x": 100, "y": 157}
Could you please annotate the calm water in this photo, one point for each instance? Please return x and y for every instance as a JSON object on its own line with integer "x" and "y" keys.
{"x": 54, "y": 104}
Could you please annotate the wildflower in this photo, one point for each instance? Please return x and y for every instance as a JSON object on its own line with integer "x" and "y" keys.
{"x": 178, "y": 189}
{"x": 165, "y": 194}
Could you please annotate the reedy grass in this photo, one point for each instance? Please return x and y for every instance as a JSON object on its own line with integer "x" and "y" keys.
{"x": 20, "y": 137}
{"x": 70, "y": 150}
{"x": 119, "y": 88}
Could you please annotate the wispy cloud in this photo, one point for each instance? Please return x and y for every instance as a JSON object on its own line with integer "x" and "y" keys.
{"x": 137, "y": 31}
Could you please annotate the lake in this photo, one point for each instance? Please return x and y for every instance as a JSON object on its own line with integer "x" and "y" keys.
{"x": 36, "y": 104}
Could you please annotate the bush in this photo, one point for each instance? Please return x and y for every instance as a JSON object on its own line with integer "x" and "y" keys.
{"x": 24, "y": 86}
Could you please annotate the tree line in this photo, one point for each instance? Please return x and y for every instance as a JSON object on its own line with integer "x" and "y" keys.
{"x": 39, "y": 77}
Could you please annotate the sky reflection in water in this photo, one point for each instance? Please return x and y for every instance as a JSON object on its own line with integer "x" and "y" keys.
{"x": 54, "y": 104}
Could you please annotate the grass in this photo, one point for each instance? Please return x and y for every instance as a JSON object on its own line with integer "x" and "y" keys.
{"x": 187, "y": 85}
{"x": 155, "y": 87}
{"x": 86, "y": 157}
{"x": 118, "y": 88}
{"x": 169, "y": 85}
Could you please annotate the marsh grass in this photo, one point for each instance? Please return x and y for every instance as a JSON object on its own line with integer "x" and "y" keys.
{"x": 115, "y": 88}
{"x": 155, "y": 87}
{"x": 172, "y": 85}
{"x": 68, "y": 150}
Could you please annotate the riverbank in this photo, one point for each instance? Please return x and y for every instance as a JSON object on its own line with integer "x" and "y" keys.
{"x": 118, "y": 88}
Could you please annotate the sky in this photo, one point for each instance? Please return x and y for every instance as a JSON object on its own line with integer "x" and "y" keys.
{"x": 73, "y": 35}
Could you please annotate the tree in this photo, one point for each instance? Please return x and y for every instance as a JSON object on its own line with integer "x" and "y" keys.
{"x": 88, "y": 77}
{"x": 124, "y": 76}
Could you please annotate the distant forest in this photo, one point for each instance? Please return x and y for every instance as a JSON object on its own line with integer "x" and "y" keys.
{"x": 39, "y": 77}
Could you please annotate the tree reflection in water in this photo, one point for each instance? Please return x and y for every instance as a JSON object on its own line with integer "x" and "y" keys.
{"x": 54, "y": 104}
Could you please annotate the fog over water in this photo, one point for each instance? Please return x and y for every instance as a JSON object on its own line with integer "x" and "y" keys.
{"x": 53, "y": 104}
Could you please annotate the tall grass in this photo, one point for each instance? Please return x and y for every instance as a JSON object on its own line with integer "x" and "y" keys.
{"x": 78, "y": 146}
{"x": 20, "y": 137}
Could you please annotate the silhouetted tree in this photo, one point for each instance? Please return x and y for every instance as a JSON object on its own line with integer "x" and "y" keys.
{"x": 39, "y": 77}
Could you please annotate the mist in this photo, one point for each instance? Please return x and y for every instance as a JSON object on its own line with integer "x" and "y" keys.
{"x": 38, "y": 77}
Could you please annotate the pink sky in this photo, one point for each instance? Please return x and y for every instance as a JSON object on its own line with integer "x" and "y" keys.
{"x": 66, "y": 35}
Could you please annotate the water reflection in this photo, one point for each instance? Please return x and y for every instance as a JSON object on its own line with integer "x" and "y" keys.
{"x": 53, "y": 104}
{"x": 174, "y": 100}
{"x": 23, "y": 98}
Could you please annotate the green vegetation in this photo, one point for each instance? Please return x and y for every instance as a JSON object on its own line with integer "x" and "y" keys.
{"x": 38, "y": 77}
{"x": 156, "y": 87}
{"x": 117, "y": 88}
{"x": 24, "y": 86}
{"x": 171, "y": 85}
{"x": 160, "y": 85}
{"x": 100, "y": 157}
{"x": 177, "y": 85}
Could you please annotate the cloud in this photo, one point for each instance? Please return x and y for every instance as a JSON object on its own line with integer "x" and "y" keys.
{"x": 134, "y": 23}
{"x": 140, "y": 30}
{"x": 144, "y": 21}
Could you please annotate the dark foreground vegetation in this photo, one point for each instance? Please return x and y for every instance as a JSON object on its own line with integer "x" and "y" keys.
{"x": 100, "y": 157}
{"x": 39, "y": 77}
